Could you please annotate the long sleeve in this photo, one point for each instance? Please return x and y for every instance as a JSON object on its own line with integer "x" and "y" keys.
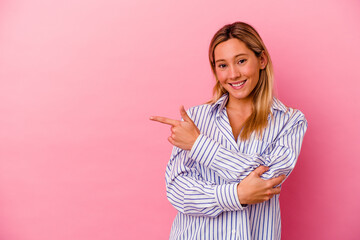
{"x": 280, "y": 155}
{"x": 190, "y": 194}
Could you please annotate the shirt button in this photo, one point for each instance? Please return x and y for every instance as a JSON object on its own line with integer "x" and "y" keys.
{"x": 233, "y": 231}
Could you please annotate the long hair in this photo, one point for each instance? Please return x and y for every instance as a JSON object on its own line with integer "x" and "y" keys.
{"x": 263, "y": 91}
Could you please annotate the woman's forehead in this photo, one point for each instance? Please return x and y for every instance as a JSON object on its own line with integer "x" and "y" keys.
{"x": 230, "y": 49}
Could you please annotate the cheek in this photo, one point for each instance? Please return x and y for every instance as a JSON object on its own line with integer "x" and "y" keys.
{"x": 249, "y": 71}
{"x": 252, "y": 73}
{"x": 221, "y": 76}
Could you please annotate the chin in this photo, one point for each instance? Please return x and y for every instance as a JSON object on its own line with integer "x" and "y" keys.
{"x": 239, "y": 96}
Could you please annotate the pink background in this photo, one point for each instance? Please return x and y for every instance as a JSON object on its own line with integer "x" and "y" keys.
{"x": 79, "y": 158}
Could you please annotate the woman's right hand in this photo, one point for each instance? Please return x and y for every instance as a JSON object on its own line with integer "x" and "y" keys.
{"x": 253, "y": 189}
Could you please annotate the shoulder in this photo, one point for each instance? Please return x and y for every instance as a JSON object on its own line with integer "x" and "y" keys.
{"x": 287, "y": 115}
{"x": 202, "y": 115}
{"x": 208, "y": 109}
{"x": 200, "y": 111}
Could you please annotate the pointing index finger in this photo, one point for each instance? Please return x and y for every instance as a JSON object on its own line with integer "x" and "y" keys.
{"x": 165, "y": 120}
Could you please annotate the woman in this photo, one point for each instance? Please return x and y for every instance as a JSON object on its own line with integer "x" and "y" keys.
{"x": 231, "y": 155}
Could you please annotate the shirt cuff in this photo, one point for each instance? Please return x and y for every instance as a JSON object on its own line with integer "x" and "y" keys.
{"x": 226, "y": 196}
{"x": 204, "y": 150}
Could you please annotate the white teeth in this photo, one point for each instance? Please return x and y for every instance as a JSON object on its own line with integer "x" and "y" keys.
{"x": 238, "y": 84}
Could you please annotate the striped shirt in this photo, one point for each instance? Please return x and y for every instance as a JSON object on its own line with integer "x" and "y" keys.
{"x": 202, "y": 183}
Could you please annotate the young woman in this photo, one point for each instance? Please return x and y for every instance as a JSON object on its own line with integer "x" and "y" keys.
{"x": 231, "y": 155}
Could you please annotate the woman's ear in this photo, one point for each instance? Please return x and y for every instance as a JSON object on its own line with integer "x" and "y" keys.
{"x": 263, "y": 60}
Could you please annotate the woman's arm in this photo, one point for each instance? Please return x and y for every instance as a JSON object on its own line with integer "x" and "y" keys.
{"x": 190, "y": 194}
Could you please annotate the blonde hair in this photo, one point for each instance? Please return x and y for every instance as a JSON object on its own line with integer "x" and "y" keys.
{"x": 263, "y": 92}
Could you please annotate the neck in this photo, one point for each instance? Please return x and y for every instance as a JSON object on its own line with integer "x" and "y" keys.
{"x": 241, "y": 106}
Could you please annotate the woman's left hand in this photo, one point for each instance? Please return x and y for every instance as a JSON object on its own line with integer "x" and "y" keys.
{"x": 183, "y": 133}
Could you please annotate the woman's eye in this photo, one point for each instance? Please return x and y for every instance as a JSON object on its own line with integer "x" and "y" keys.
{"x": 242, "y": 60}
{"x": 221, "y": 65}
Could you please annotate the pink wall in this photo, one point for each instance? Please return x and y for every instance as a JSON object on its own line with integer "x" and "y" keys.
{"x": 79, "y": 158}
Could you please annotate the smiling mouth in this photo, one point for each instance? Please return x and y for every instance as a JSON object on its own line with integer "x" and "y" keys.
{"x": 238, "y": 84}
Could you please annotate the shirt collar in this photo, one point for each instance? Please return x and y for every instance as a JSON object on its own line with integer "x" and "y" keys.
{"x": 277, "y": 105}
{"x": 220, "y": 104}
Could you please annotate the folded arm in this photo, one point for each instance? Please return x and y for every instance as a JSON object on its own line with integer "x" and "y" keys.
{"x": 190, "y": 194}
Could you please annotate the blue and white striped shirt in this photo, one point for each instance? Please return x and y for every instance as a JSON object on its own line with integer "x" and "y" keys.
{"x": 202, "y": 183}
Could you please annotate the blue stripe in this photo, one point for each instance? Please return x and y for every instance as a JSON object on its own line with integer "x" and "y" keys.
{"x": 201, "y": 183}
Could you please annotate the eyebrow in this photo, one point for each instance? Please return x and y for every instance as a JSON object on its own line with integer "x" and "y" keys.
{"x": 241, "y": 54}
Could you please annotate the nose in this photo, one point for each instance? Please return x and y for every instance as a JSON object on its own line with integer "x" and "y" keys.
{"x": 234, "y": 72}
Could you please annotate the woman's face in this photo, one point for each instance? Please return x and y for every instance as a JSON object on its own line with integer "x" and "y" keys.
{"x": 237, "y": 68}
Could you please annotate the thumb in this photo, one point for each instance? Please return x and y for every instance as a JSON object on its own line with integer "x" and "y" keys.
{"x": 260, "y": 170}
{"x": 184, "y": 114}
